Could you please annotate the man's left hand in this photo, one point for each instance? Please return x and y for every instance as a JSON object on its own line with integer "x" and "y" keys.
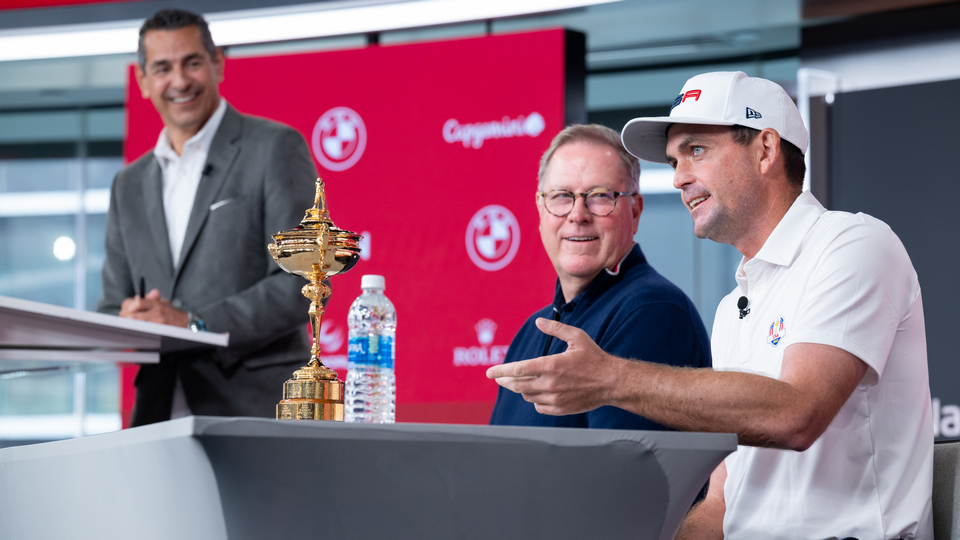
{"x": 577, "y": 380}
{"x": 153, "y": 308}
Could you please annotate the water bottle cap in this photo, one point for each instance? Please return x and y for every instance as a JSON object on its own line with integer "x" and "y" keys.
{"x": 371, "y": 281}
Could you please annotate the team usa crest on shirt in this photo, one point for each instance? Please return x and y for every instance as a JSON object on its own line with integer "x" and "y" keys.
{"x": 777, "y": 331}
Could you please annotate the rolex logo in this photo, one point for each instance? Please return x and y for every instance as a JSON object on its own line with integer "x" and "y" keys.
{"x": 485, "y": 330}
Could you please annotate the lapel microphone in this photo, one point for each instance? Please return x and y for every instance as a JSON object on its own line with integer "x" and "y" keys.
{"x": 207, "y": 169}
{"x": 742, "y": 306}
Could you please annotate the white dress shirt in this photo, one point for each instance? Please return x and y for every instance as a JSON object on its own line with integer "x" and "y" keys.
{"x": 181, "y": 177}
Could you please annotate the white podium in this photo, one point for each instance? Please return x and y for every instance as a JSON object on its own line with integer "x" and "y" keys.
{"x": 31, "y": 331}
{"x": 36, "y": 339}
{"x": 252, "y": 478}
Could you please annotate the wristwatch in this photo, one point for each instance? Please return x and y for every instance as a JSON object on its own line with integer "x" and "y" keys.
{"x": 195, "y": 323}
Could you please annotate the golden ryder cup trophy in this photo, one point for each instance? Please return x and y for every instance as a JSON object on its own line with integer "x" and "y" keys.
{"x": 315, "y": 250}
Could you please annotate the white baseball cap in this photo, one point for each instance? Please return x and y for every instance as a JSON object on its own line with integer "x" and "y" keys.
{"x": 721, "y": 98}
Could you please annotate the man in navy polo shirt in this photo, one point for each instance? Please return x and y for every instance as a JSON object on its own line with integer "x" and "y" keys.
{"x": 589, "y": 203}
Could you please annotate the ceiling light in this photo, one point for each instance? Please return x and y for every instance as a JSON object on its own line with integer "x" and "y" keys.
{"x": 276, "y": 24}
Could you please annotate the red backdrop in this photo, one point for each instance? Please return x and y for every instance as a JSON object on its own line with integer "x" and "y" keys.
{"x": 435, "y": 148}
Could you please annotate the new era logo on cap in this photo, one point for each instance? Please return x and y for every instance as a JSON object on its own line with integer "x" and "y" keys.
{"x": 722, "y": 98}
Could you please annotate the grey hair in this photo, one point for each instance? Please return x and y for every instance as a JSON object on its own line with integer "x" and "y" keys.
{"x": 594, "y": 134}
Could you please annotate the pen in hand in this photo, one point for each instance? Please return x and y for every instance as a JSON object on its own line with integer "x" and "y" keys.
{"x": 142, "y": 289}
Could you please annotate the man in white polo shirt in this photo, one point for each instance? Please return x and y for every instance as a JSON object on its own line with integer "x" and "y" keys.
{"x": 819, "y": 353}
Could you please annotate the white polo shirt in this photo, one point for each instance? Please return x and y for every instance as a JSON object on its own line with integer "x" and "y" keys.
{"x": 843, "y": 280}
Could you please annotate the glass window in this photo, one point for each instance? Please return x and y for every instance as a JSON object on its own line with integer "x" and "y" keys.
{"x": 32, "y": 175}
{"x": 53, "y": 208}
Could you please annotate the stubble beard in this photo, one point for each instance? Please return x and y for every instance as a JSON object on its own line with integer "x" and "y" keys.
{"x": 721, "y": 226}
{"x": 728, "y": 225}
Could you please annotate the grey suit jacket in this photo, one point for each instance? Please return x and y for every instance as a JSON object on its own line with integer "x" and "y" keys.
{"x": 259, "y": 179}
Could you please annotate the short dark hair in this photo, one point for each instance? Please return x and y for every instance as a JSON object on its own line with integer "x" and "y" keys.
{"x": 793, "y": 163}
{"x": 175, "y": 19}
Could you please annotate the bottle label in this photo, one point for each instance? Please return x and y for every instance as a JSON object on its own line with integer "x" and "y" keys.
{"x": 372, "y": 351}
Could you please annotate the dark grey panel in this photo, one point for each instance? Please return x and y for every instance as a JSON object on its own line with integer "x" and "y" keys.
{"x": 408, "y": 489}
{"x": 217, "y": 478}
{"x": 575, "y": 102}
{"x": 894, "y": 156}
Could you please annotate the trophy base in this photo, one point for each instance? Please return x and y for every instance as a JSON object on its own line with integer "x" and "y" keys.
{"x": 314, "y": 393}
{"x": 309, "y": 409}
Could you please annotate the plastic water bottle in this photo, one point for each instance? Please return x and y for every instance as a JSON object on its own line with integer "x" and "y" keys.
{"x": 371, "y": 385}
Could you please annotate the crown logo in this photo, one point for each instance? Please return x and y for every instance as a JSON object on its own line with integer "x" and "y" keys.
{"x": 485, "y": 330}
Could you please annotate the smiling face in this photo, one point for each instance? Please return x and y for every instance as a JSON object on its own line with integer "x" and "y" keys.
{"x": 181, "y": 80}
{"x": 581, "y": 244}
{"x": 718, "y": 179}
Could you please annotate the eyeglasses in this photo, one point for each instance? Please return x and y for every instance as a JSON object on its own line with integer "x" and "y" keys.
{"x": 600, "y": 202}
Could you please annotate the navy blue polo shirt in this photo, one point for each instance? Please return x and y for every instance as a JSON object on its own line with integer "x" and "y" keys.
{"x": 636, "y": 314}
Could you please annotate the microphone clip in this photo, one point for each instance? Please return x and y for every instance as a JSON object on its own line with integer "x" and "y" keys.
{"x": 742, "y": 306}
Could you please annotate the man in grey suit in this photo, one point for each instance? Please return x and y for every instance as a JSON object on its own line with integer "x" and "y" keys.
{"x": 192, "y": 220}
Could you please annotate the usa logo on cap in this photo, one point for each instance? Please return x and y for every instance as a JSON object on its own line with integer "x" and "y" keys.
{"x": 777, "y": 331}
{"x": 695, "y": 94}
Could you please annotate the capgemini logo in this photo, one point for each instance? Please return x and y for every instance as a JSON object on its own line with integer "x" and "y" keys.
{"x": 473, "y": 135}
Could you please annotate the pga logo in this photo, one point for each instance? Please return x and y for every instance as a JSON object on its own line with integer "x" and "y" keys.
{"x": 339, "y": 138}
{"x": 493, "y": 238}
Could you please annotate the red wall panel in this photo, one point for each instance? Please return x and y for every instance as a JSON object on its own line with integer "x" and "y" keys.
{"x": 443, "y": 191}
